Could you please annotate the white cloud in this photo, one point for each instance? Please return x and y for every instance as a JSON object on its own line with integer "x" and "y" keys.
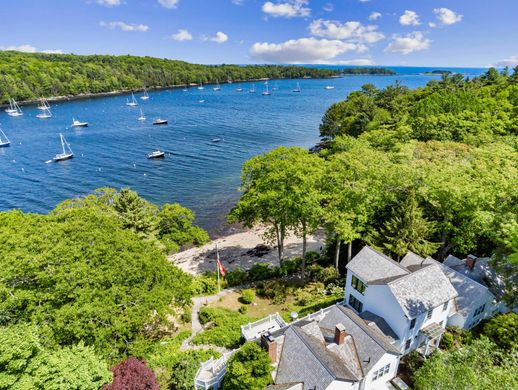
{"x": 328, "y": 7}
{"x": 182, "y": 35}
{"x": 169, "y": 4}
{"x": 409, "y": 18}
{"x": 447, "y": 16}
{"x": 109, "y": 3}
{"x": 238, "y": 2}
{"x": 408, "y": 43}
{"x": 303, "y": 51}
{"x": 124, "y": 26}
{"x": 349, "y": 30}
{"x": 220, "y": 37}
{"x": 364, "y": 1}
{"x": 23, "y": 48}
{"x": 374, "y": 15}
{"x": 432, "y": 24}
{"x": 287, "y": 9}
{"x": 511, "y": 62}
{"x": 358, "y": 61}
{"x": 26, "y": 48}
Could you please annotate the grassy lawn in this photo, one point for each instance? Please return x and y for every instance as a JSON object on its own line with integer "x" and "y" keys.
{"x": 260, "y": 308}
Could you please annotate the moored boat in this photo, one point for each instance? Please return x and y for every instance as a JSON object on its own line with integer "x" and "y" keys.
{"x": 76, "y": 123}
{"x": 67, "y": 151}
{"x": 156, "y": 154}
{"x": 160, "y": 121}
{"x": 4, "y": 141}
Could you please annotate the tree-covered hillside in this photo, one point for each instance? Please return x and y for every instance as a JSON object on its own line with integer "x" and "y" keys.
{"x": 26, "y": 76}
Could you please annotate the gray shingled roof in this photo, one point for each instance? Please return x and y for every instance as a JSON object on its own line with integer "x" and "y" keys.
{"x": 466, "y": 288}
{"x": 309, "y": 354}
{"x": 378, "y": 323}
{"x": 422, "y": 290}
{"x": 286, "y": 386}
{"x": 373, "y": 267}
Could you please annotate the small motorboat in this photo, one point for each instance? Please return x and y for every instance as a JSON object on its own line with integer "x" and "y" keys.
{"x": 215, "y": 140}
{"x": 156, "y": 154}
{"x": 252, "y": 90}
{"x": 159, "y": 121}
{"x": 201, "y": 101}
{"x": 329, "y": 87}
{"x": 239, "y": 89}
{"x": 76, "y": 123}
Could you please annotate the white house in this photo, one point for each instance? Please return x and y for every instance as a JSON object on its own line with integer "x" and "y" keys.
{"x": 334, "y": 349}
{"x": 474, "y": 301}
{"x": 414, "y": 303}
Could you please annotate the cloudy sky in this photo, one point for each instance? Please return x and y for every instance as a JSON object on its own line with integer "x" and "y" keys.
{"x": 358, "y": 32}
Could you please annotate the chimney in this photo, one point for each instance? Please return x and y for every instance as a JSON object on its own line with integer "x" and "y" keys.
{"x": 470, "y": 261}
{"x": 340, "y": 334}
{"x": 270, "y": 345}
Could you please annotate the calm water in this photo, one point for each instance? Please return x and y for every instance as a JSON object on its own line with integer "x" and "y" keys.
{"x": 199, "y": 174}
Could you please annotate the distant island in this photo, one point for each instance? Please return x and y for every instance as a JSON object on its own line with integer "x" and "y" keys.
{"x": 30, "y": 76}
{"x": 368, "y": 70}
{"x": 439, "y": 72}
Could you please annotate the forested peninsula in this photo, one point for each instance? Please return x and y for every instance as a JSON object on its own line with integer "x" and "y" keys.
{"x": 29, "y": 76}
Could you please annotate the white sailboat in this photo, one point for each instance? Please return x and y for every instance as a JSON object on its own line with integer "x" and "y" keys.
{"x": 67, "y": 151}
{"x": 76, "y": 123}
{"x": 297, "y": 88}
{"x": 45, "y": 114}
{"x": 200, "y": 87}
{"x": 275, "y": 87}
{"x": 239, "y": 89}
{"x": 11, "y": 107}
{"x": 133, "y": 102}
{"x": 266, "y": 92}
{"x": 145, "y": 96}
{"x": 141, "y": 117}
{"x": 15, "y": 110}
{"x": 44, "y": 104}
{"x": 217, "y": 87}
{"x": 4, "y": 141}
{"x": 252, "y": 90}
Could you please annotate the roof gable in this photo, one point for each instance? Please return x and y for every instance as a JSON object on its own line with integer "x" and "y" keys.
{"x": 372, "y": 266}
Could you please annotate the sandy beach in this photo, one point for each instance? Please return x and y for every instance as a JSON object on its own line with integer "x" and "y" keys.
{"x": 233, "y": 251}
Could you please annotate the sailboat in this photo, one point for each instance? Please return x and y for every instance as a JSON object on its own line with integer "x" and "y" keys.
{"x": 252, "y": 90}
{"x": 266, "y": 92}
{"x": 15, "y": 109}
{"x": 67, "y": 152}
{"x": 297, "y": 88}
{"x": 76, "y": 123}
{"x": 145, "y": 96}
{"x": 217, "y": 87}
{"x": 239, "y": 89}
{"x": 141, "y": 117}
{"x": 11, "y": 106}
{"x": 275, "y": 87}
{"x": 45, "y": 114}
{"x": 44, "y": 104}
{"x": 133, "y": 102}
{"x": 201, "y": 86}
{"x": 4, "y": 141}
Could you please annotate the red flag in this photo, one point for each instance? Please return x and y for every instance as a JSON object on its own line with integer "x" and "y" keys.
{"x": 220, "y": 266}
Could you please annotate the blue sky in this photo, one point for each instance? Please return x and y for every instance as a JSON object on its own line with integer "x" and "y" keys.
{"x": 461, "y": 33}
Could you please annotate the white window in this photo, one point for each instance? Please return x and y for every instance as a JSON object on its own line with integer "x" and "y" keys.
{"x": 382, "y": 371}
{"x": 429, "y": 315}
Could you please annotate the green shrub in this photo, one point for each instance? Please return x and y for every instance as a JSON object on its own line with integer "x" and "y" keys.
{"x": 237, "y": 277}
{"x": 248, "y": 369}
{"x": 318, "y": 273}
{"x": 447, "y": 342}
{"x": 312, "y": 257}
{"x": 503, "y": 330}
{"x": 304, "y": 297}
{"x": 186, "y": 316}
{"x": 288, "y": 267}
{"x": 247, "y": 296}
{"x": 274, "y": 290}
{"x": 260, "y": 271}
{"x": 322, "y": 304}
{"x": 225, "y": 328}
{"x": 205, "y": 284}
{"x": 243, "y": 309}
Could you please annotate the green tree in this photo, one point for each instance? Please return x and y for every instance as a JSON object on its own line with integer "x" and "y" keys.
{"x": 280, "y": 189}
{"x": 503, "y": 330}
{"x": 406, "y": 230}
{"x": 26, "y": 364}
{"x": 478, "y": 366}
{"x": 249, "y": 368}
{"x": 135, "y": 213}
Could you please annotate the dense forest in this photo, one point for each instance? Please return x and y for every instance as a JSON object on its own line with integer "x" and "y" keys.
{"x": 368, "y": 70}
{"x": 432, "y": 170}
{"x": 27, "y": 76}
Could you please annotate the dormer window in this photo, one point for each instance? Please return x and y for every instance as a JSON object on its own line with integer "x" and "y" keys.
{"x": 358, "y": 284}
{"x": 445, "y": 306}
{"x": 412, "y": 323}
{"x": 429, "y": 315}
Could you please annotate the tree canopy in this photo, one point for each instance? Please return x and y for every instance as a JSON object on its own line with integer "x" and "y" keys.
{"x": 249, "y": 368}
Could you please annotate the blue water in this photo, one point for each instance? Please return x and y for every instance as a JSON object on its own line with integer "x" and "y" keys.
{"x": 199, "y": 174}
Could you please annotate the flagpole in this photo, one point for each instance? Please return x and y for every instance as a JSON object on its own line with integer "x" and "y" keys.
{"x": 217, "y": 267}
